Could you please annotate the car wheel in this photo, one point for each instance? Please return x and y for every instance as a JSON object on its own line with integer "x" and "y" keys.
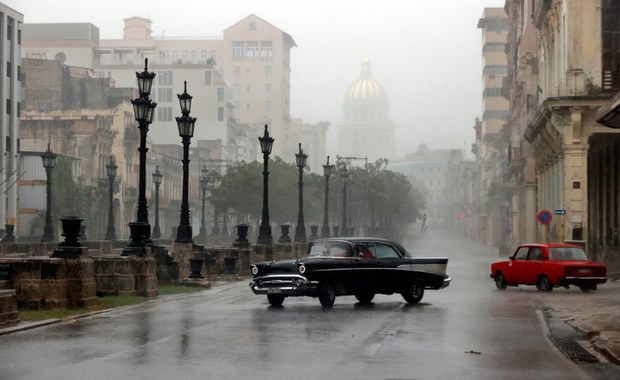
{"x": 414, "y": 293}
{"x": 327, "y": 294}
{"x": 365, "y": 296}
{"x": 543, "y": 284}
{"x": 500, "y": 282}
{"x": 275, "y": 299}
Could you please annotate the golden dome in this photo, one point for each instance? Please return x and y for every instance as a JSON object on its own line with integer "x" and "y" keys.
{"x": 365, "y": 88}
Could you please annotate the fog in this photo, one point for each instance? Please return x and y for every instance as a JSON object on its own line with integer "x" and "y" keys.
{"x": 427, "y": 54}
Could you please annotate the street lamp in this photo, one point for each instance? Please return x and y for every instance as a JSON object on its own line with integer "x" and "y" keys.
{"x": 344, "y": 229}
{"x": 300, "y": 230}
{"x": 264, "y": 234}
{"x": 157, "y": 181}
{"x": 111, "y": 172}
{"x": 49, "y": 160}
{"x": 204, "y": 181}
{"x": 186, "y": 131}
{"x": 144, "y": 109}
{"x": 327, "y": 171}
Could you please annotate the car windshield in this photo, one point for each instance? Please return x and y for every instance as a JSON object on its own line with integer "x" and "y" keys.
{"x": 330, "y": 248}
{"x": 563, "y": 254}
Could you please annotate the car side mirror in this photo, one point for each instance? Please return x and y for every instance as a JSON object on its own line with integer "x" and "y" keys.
{"x": 511, "y": 258}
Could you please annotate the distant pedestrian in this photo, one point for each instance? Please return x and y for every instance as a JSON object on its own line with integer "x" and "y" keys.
{"x": 423, "y": 226}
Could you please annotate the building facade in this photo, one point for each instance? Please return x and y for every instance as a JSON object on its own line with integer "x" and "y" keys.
{"x": 238, "y": 81}
{"x": 11, "y": 23}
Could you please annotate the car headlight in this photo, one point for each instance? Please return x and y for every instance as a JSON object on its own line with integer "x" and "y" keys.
{"x": 254, "y": 270}
{"x": 302, "y": 269}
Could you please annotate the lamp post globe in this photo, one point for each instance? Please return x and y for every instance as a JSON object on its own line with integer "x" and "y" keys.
{"x": 144, "y": 110}
{"x": 327, "y": 172}
{"x": 300, "y": 230}
{"x": 264, "y": 233}
{"x": 49, "y": 160}
{"x": 111, "y": 167}
{"x": 157, "y": 176}
{"x": 185, "y": 124}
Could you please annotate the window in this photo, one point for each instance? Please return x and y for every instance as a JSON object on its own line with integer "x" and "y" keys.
{"x": 385, "y": 251}
{"x": 237, "y": 88}
{"x": 208, "y": 77}
{"x": 521, "y": 253}
{"x": 164, "y": 113}
{"x": 268, "y": 88}
{"x": 237, "y": 50}
{"x": 164, "y": 78}
{"x": 9, "y": 29}
{"x": 164, "y": 94}
{"x": 252, "y": 26}
{"x": 492, "y": 92}
{"x": 8, "y": 69}
{"x": 237, "y": 71}
{"x": 220, "y": 94}
{"x": 268, "y": 106}
{"x": 268, "y": 72}
{"x": 8, "y": 106}
{"x": 495, "y": 69}
{"x": 252, "y": 50}
{"x": 535, "y": 254}
{"x": 495, "y": 114}
{"x": 265, "y": 50}
{"x": 220, "y": 113}
{"x": 494, "y": 46}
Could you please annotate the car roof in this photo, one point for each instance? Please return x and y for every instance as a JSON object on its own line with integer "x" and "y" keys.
{"x": 550, "y": 245}
{"x": 361, "y": 239}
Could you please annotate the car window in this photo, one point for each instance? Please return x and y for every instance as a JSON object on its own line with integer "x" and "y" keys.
{"x": 561, "y": 254}
{"x": 535, "y": 254}
{"x": 521, "y": 253}
{"x": 330, "y": 248}
{"x": 366, "y": 251}
{"x": 385, "y": 251}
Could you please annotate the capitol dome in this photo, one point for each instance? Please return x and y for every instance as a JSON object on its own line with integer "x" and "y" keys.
{"x": 366, "y": 88}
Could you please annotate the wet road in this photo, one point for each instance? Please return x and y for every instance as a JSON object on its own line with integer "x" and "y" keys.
{"x": 466, "y": 331}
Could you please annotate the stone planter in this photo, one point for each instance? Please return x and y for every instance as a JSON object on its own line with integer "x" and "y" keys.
{"x": 284, "y": 229}
{"x": 242, "y": 233}
{"x": 195, "y": 265}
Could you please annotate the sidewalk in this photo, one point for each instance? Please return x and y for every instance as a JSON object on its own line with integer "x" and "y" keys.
{"x": 596, "y": 314}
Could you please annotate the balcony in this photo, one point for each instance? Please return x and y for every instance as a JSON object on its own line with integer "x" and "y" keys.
{"x": 516, "y": 159}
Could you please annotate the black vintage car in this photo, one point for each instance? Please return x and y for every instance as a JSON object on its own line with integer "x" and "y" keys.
{"x": 356, "y": 266}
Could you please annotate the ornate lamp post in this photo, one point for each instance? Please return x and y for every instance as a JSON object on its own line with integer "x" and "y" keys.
{"x": 49, "y": 159}
{"x": 344, "y": 229}
{"x": 300, "y": 230}
{"x": 110, "y": 168}
{"x": 327, "y": 172}
{"x": 264, "y": 234}
{"x": 157, "y": 181}
{"x": 186, "y": 131}
{"x": 144, "y": 109}
{"x": 204, "y": 181}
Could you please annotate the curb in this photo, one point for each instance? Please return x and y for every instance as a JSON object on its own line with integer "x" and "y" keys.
{"x": 598, "y": 347}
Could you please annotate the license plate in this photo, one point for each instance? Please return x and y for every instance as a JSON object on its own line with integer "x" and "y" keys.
{"x": 583, "y": 271}
{"x": 274, "y": 290}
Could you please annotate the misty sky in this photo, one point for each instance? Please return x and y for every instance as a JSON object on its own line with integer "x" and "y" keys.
{"x": 427, "y": 54}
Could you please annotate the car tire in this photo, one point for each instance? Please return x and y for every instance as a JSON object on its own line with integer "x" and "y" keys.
{"x": 543, "y": 284}
{"x": 500, "y": 282}
{"x": 364, "y": 296}
{"x": 327, "y": 294}
{"x": 275, "y": 299}
{"x": 414, "y": 292}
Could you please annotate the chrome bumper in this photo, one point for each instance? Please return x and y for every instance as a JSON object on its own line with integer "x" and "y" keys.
{"x": 446, "y": 282}
{"x": 287, "y": 285}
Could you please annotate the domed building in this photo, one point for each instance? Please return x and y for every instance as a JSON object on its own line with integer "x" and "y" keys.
{"x": 366, "y": 130}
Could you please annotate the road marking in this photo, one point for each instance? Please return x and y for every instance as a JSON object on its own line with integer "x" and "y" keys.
{"x": 373, "y": 348}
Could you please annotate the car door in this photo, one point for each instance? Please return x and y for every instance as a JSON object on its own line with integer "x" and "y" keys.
{"x": 391, "y": 278}
{"x": 367, "y": 268}
{"x": 514, "y": 273}
{"x": 532, "y": 266}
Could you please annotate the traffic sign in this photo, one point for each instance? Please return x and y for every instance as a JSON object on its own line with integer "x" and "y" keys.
{"x": 560, "y": 212}
{"x": 544, "y": 217}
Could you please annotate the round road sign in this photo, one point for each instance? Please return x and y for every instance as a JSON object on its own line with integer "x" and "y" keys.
{"x": 545, "y": 217}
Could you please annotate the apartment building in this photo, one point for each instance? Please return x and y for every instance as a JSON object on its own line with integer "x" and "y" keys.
{"x": 239, "y": 81}
{"x": 492, "y": 209}
{"x": 11, "y": 23}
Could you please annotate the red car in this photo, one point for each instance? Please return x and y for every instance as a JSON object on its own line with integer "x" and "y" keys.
{"x": 548, "y": 265}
